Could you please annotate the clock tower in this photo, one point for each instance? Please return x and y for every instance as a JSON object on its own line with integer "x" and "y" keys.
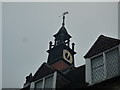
{"x": 61, "y": 56}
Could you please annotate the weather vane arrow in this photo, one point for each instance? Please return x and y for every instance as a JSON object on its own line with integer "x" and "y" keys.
{"x": 64, "y": 13}
{"x": 64, "y": 17}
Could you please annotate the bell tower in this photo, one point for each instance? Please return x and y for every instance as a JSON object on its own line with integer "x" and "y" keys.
{"x": 61, "y": 56}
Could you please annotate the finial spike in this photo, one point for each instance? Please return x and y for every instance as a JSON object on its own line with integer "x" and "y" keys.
{"x": 63, "y": 21}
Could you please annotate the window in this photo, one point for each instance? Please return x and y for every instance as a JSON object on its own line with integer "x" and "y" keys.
{"x": 97, "y": 69}
{"x": 105, "y": 66}
{"x": 46, "y": 82}
{"x": 112, "y": 62}
{"x": 38, "y": 85}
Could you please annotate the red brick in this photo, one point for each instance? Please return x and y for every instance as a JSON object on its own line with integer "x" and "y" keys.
{"x": 60, "y": 65}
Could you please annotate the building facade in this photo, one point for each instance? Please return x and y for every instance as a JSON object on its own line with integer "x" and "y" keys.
{"x": 101, "y": 69}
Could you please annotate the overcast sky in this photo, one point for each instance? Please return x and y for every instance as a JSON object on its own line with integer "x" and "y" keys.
{"x": 28, "y": 28}
{"x": 0, "y": 45}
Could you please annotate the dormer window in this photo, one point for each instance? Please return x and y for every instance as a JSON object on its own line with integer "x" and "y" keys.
{"x": 47, "y": 82}
{"x": 103, "y": 66}
{"x": 103, "y": 60}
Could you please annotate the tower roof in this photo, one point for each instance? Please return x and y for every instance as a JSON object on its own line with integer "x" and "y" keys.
{"x": 62, "y": 33}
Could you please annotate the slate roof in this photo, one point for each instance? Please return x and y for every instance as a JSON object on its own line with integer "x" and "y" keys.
{"x": 62, "y": 32}
{"x": 102, "y": 43}
{"x": 44, "y": 70}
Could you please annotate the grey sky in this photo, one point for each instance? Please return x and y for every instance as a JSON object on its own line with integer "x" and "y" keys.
{"x": 1, "y": 45}
{"x": 28, "y": 27}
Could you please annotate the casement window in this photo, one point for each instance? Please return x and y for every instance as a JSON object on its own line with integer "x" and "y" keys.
{"x": 97, "y": 68}
{"x": 112, "y": 63}
{"x": 46, "y": 82}
{"x": 103, "y": 66}
{"x": 39, "y": 85}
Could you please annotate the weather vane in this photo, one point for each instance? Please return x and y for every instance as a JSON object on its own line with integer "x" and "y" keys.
{"x": 64, "y": 17}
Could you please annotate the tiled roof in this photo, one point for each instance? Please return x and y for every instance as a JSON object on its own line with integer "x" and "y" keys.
{"x": 102, "y": 43}
{"x": 44, "y": 70}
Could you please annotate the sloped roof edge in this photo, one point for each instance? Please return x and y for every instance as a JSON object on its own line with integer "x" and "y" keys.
{"x": 101, "y": 44}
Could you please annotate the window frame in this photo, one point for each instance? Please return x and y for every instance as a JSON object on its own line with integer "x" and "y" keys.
{"x": 104, "y": 59}
{"x": 118, "y": 48}
{"x": 96, "y": 68}
{"x": 54, "y": 75}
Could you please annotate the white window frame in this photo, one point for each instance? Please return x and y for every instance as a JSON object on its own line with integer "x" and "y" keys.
{"x": 88, "y": 65}
{"x": 43, "y": 81}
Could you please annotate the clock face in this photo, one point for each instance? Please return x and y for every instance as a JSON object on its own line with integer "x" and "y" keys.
{"x": 67, "y": 56}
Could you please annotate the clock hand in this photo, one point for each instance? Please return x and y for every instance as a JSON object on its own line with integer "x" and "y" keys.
{"x": 68, "y": 57}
